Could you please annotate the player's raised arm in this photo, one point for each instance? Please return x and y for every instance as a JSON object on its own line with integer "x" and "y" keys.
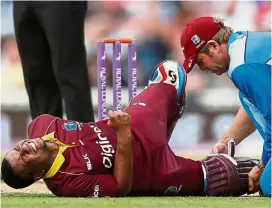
{"x": 123, "y": 165}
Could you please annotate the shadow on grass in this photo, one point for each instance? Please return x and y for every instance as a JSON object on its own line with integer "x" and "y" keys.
{"x": 32, "y": 195}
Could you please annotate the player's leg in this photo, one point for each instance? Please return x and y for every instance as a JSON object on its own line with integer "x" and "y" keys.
{"x": 64, "y": 25}
{"x": 265, "y": 181}
{"x": 175, "y": 175}
{"x": 42, "y": 89}
{"x": 155, "y": 107}
{"x": 172, "y": 73}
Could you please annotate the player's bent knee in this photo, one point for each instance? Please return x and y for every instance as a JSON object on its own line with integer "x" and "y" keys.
{"x": 171, "y": 73}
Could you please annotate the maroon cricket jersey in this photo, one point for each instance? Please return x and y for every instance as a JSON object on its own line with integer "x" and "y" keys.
{"x": 89, "y": 161}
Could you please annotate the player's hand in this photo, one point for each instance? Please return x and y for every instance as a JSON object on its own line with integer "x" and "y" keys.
{"x": 254, "y": 180}
{"x": 119, "y": 120}
{"x": 220, "y": 147}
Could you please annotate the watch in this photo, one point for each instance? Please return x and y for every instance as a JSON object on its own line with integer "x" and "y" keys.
{"x": 261, "y": 167}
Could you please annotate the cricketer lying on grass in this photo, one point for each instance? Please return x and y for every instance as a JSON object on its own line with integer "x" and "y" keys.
{"x": 246, "y": 57}
{"x": 125, "y": 155}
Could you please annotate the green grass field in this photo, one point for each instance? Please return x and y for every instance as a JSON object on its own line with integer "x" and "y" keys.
{"x": 38, "y": 196}
{"x": 47, "y": 200}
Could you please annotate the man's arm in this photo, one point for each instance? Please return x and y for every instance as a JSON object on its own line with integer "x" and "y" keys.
{"x": 253, "y": 81}
{"x": 123, "y": 164}
{"x": 241, "y": 128}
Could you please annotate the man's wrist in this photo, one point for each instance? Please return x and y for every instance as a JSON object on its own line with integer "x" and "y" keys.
{"x": 261, "y": 166}
{"x": 123, "y": 138}
{"x": 125, "y": 132}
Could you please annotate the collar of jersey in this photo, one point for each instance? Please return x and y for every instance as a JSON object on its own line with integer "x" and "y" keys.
{"x": 59, "y": 160}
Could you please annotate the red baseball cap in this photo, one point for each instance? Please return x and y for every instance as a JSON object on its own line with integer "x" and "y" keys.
{"x": 195, "y": 36}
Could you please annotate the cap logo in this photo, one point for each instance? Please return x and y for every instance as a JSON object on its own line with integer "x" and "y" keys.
{"x": 195, "y": 39}
{"x": 200, "y": 44}
{"x": 190, "y": 63}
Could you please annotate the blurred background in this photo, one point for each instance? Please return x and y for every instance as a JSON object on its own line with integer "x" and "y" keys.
{"x": 157, "y": 25}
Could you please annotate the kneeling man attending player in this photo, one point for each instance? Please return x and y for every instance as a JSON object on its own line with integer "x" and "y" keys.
{"x": 126, "y": 155}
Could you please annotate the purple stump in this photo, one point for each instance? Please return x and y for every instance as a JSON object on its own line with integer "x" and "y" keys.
{"x": 116, "y": 70}
{"x": 132, "y": 70}
{"x": 101, "y": 80}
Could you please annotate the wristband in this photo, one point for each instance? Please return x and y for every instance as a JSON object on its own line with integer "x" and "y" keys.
{"x": 261, "y": 167}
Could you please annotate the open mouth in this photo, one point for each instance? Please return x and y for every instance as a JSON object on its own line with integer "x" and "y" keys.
{"x": 33, "y": 146}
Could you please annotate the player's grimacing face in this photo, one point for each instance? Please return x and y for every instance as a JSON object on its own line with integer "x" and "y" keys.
{"x": 27, "y": 156}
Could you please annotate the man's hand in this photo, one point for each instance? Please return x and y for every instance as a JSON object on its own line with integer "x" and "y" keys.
{"x": 254, "y": 180}
{"x": 123, "y": 164}
{"x": 225, "y": 146}
{"x": 241, "y": 128}
{"x": 119, "y": 120}
{"x": 220, "y": 147}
